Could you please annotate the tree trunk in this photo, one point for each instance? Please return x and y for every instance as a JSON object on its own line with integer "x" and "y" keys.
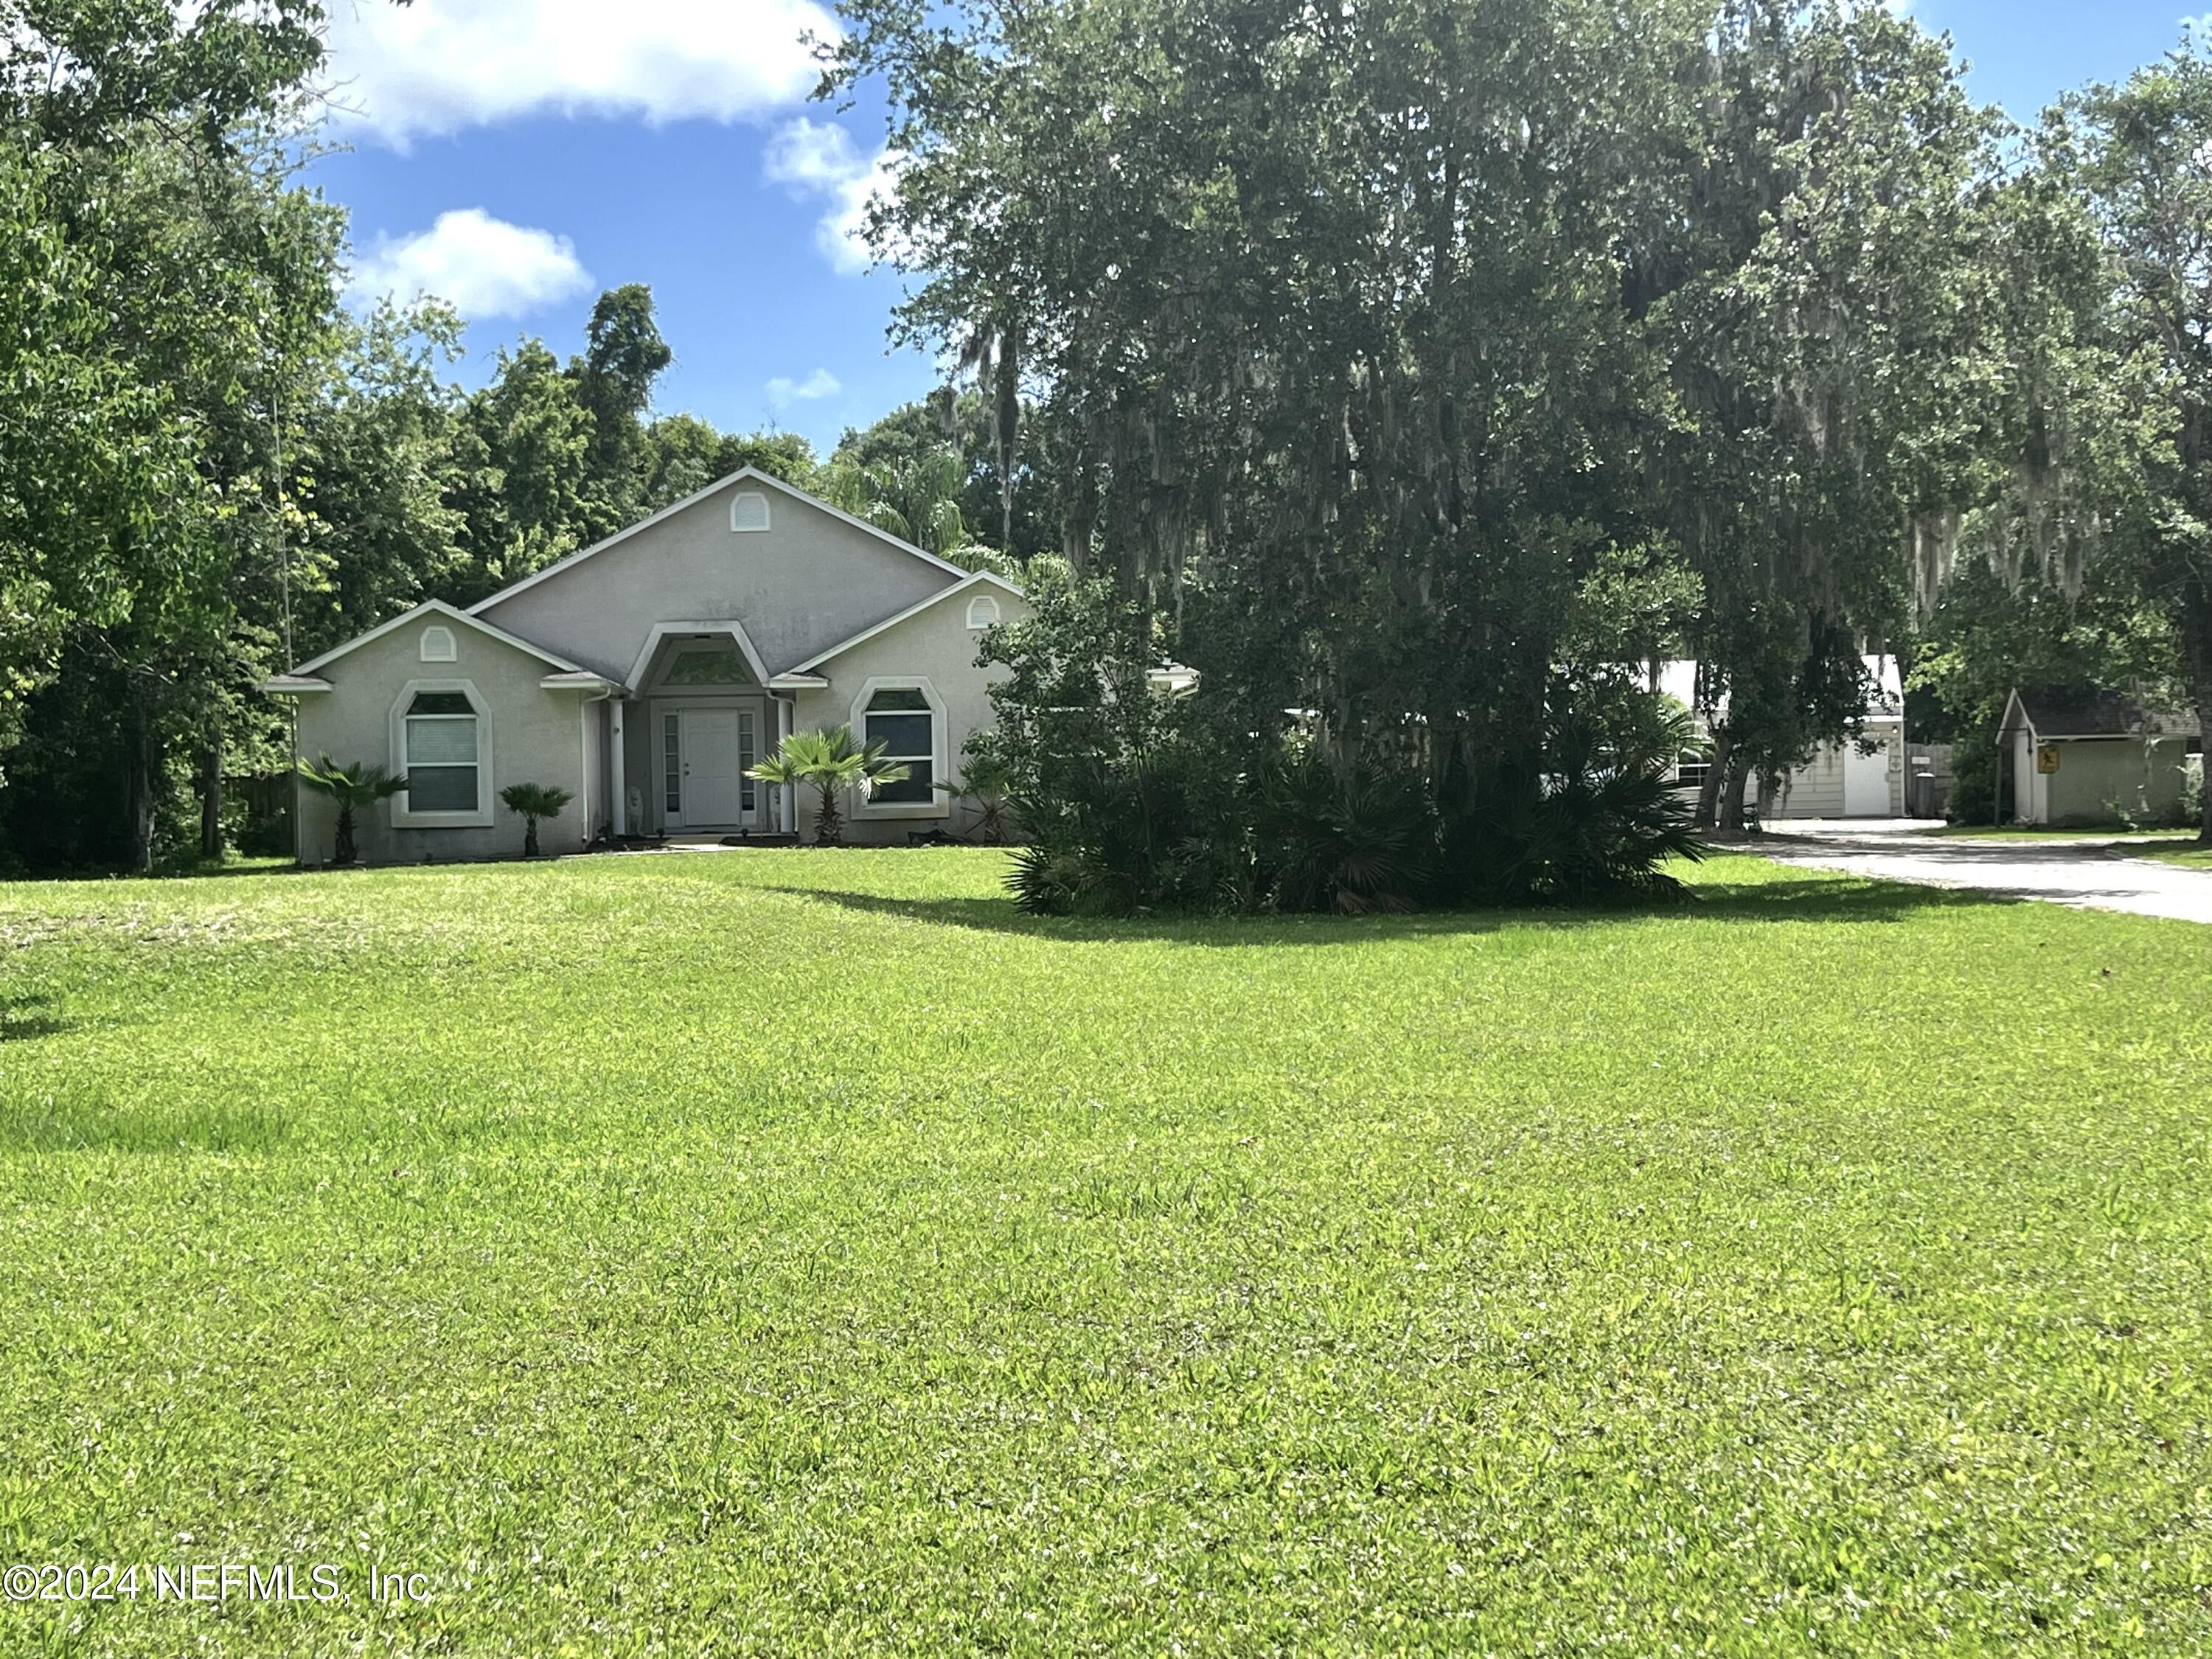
{"x": 1709, "y": 792}
{"x": 139, "y": 787}
{"x": 2205, "y": 766}
{"x": 2196, "y": 664}
{"x": 1739, "y": 775}
{"x": 829, "y": 827}
{"x": 211, "y": 790}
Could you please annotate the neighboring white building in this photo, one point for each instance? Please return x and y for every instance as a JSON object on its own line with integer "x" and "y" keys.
{"x": 649, "y": 673}
{"x": 1863, "y": 780}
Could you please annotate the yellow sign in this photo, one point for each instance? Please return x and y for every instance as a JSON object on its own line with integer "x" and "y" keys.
{"x": 2047, "y": 757}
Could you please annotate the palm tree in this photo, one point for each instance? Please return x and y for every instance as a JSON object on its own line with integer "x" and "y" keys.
{"x": 986, "y": 782}
{"x": 358, "y": 785}
{"x": 916, "y": 497}
{"x": 832, "y": 763}
{"x": 534, "y": 801}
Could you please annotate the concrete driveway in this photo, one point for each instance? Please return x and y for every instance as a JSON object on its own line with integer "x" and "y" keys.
{"x": 2096, "y": 875}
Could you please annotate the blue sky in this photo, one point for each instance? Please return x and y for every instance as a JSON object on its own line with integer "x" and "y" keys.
{"x": 520, "y": 155}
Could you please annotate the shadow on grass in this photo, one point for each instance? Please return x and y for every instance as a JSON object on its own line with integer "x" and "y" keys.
{"x": 91, "y": 1126}
{"x": 29, "y": 1015}
{"x": 1820, "y": 899}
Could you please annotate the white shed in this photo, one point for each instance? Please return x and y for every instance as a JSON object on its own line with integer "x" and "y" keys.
{"x": 2090, "y": 757}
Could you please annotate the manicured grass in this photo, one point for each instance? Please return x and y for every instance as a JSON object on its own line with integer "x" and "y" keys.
{"x": 2188, "y": 853}
{"x": 770, "y": 1252}
{"x": 2017, "y": 832}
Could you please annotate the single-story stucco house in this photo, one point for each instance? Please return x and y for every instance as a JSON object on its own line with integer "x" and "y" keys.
{"x": 648, "y": 673}
{"x": 1862, "y": 779}
{"x": 2074, "y": 756}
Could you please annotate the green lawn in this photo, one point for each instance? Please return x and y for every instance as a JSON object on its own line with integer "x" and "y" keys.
{"x": 772, "y": 1252}
{"x": 2024, "y": 832}
{"x": 2189, "y": 854}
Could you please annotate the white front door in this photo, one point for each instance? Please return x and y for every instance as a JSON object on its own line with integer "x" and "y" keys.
{"x": 712, "y": 781}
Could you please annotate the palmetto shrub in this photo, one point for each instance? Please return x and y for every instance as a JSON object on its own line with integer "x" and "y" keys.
{"x": 355, "y": 789}
{"x": 531, "y": 802}
{"x": 1182, "y": 830}
{"x": 1349, "y": 838}
{"x": 1120, "y": 838}
{"x": 832, "y": 762}
{"x": 1589, "y": 820}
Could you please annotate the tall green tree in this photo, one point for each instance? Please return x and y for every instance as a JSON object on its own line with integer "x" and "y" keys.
{"x": 1322, "y": 310}
{"x": 165, "y": 180}
{"x": 2140, "y": 157}
{"x": 1805, "y": 277}
{"x": 523, "y": 456}
{"x": 623, "y": 355}
{"x": 684, "y": 455}
{"x": 1363, "y": 338}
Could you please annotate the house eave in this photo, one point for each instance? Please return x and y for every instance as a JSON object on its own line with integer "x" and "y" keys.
{"x": 292, "y": 685}
{"x": 452, "y": 613}
{"x": 582, "y": 680}
{"x": 971, "y": 579}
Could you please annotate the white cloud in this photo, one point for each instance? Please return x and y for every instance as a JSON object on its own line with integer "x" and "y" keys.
{"x": 819, "y": 159}
{"x": 482, "y": 266}
{"x": 816, "y": 155}
{"x": 783, "y": 391}
{"x": 437, "y": 66}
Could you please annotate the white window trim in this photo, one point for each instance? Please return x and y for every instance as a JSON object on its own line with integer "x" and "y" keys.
{"x": 978, "y": 603}
{"x": 940, "y": 804}
{"x": 767, "y": 514}
{"x": 402, "y": 818}
{"x": 433, "y": 651}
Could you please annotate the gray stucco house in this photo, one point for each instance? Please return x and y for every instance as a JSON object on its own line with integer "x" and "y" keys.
{"x": 648, "y": 673}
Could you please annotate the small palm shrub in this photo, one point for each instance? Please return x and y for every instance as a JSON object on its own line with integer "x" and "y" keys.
{"x": 1349, "y": 838}
{"x": 1125, "y": 837}
{"x": 984, "y": 783}
{"x": 355, "y": 789}
{"x": 1588, "y": 821}
{"x": 534, "y": 801}
{"x": 832, "y": 762}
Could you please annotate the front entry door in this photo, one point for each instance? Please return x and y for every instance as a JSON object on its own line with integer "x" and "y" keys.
{"x": 705, "y": 754}
{"x": 713, "y": 778}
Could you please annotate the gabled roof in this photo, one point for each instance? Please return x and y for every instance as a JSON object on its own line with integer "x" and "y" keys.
{"x": 979, "y": 579}
{"x": 743, "y": 475}
{"x": 453, "y": 613}
{"x": 661, "y": 630}
{"x": 2054, "y": 712}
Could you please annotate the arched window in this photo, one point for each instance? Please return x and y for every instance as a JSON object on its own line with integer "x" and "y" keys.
{"x": 982, "y": 612}
{"x": 441, "y": 753}
{"x": 441, "y": 744}
{"x": 901, "y": 718}
{"x": 438, "y": 645}
{"x": 749, "y": 510}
